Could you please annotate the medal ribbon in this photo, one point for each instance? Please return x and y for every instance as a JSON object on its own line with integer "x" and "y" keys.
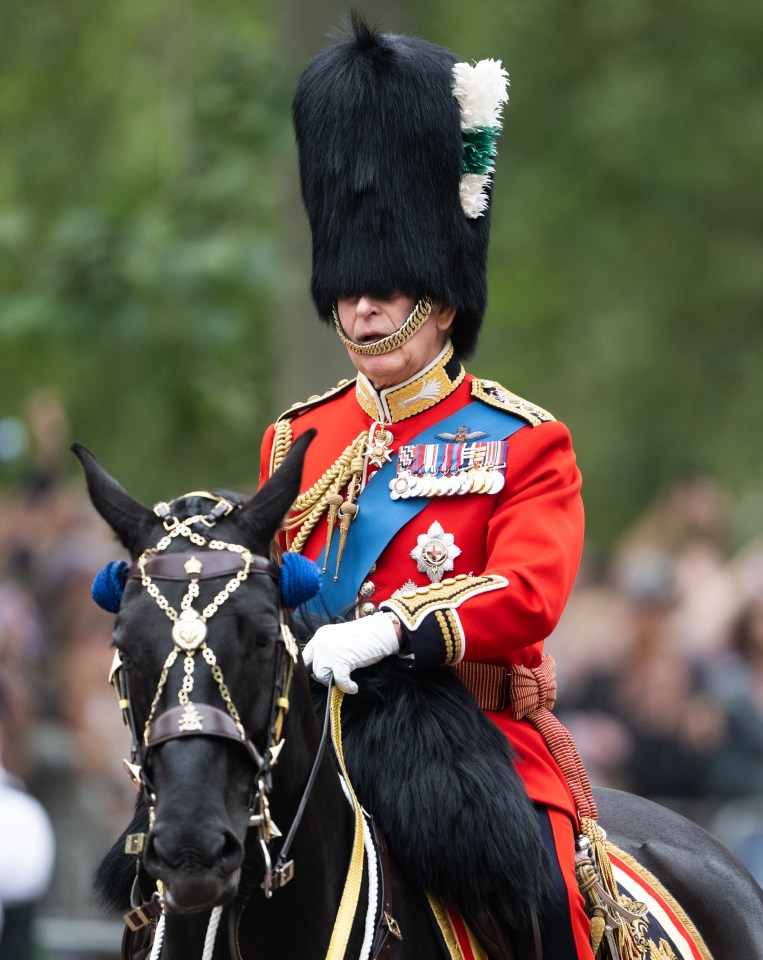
{"x": 379, "y": 518}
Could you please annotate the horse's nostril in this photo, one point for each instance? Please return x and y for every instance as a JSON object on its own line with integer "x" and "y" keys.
{"x": 221, "y": 851}
{"x": 232, "y": 852}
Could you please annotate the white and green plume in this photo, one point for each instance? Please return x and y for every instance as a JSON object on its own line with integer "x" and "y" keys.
{"x": 481, "y": 90}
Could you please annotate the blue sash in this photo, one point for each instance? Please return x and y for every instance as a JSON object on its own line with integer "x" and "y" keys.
{"x": 379, "y": 517}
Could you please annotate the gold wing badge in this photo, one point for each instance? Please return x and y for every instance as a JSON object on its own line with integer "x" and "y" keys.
{"x": 462, "y": 435}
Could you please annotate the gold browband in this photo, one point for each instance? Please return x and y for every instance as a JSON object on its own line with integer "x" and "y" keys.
{"x": 417, "y": 318}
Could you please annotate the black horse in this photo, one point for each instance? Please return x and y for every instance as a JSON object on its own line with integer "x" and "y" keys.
{"x": 226, "y": 740}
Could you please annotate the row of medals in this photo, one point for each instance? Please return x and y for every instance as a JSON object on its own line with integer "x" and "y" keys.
{"x": 477, "y": 479}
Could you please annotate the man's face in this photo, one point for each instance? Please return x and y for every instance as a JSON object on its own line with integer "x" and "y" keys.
{"x": 367, "y": 319}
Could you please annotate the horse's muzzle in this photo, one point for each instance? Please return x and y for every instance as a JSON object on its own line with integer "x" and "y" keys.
{"x": 197, "y": 873}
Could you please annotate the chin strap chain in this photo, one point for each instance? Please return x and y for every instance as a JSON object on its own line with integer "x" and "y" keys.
{"x": 415, "y": 321}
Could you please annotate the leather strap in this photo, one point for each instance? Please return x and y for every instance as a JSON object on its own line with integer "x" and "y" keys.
{"x": 386, "y": 927}
{"x": 136, "y": 944}
{"x": 171, "y": 566}
{"x": 206, "y": 721}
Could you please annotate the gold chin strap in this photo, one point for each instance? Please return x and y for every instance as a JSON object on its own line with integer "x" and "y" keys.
{"x": 417, "y": 318}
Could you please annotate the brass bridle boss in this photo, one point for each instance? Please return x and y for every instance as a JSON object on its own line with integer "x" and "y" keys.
{"x": 189, "y": 636}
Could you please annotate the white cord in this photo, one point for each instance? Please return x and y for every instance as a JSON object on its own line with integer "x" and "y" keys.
{"x": 373, "y": 882}
{"x": 209, "y": 942}
{"x": 156, "y": 949}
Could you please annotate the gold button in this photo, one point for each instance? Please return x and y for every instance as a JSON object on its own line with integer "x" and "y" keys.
{"x": 367, "y": 589}
{"x": 372, "y": 570}
{"x": 367, "y": 609}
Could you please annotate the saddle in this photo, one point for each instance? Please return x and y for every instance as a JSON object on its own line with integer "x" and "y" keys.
{"x": 664, "y": 932}
{"x": 407, "y": 740}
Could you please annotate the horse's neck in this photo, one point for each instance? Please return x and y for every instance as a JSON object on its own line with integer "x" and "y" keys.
{"x": 326, "y": 812}
{"x": 184, "y": 938}
{"x": 320, "y": 851}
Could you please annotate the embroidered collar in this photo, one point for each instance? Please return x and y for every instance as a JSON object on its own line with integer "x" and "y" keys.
{"x": 427, "y": 388}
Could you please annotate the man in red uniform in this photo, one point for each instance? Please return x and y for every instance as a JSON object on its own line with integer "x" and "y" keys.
{"x": 444, "y": 510}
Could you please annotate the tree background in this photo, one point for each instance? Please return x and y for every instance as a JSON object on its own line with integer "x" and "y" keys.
{"x": 154, "y": 256}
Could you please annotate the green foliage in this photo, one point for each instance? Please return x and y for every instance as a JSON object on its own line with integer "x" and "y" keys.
{"x": 137, "y": 257}
{"x": 152, "y": 165}
{"x": 626, "y": 280}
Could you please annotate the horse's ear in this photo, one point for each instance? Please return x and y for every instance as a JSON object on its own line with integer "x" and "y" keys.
{"x": 128, "y": 518}
{"x": 261, "y": 516}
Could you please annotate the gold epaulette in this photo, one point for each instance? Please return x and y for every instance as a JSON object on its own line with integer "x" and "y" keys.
{"x": 493, "y": 394}
{"x": 298, "y": 408}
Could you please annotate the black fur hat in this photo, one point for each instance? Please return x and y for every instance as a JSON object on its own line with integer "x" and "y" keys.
{"x": 381, "y": 153}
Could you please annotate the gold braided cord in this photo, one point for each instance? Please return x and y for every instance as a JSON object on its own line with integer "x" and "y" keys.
{"x": 282, "y": 440}
{"x": 625, "y": 935}
{"x": 310, "y": 506}
{"x": 416, "y": 319}
{"x": 445, "y": 924}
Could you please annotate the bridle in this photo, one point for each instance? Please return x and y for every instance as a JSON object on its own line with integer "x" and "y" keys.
{"x": 189, "y": 636}
{"x": 218, "y": 558}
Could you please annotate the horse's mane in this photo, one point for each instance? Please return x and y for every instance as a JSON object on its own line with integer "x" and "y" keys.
{"x": 114, "y": 875}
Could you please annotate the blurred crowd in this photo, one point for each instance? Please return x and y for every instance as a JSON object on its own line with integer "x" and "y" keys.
{"x": 61, "y": 735}
{"x": 660, "y": 658}
{"x": 659, "y": 654}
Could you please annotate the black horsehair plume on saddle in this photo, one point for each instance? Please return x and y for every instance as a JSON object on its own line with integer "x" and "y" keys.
{"x": 438, "y": 776}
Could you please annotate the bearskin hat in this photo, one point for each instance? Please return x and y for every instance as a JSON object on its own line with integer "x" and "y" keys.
{"x": 396, "y": 139}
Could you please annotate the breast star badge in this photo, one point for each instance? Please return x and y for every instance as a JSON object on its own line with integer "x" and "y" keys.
{"x": 435, "y": 552}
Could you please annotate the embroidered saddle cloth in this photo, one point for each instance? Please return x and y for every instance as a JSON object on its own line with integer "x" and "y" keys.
{"x": 665, "y": 932}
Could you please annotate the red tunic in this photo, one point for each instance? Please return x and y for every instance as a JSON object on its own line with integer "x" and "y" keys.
{"x": 530, "y": 534}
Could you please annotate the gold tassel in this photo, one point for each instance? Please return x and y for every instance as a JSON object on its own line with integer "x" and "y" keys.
{"x": 348, "y": 514}
{"x": 612, "y": 937}
{"x": 334, "y": 500}
{"x": 349, "y": 508}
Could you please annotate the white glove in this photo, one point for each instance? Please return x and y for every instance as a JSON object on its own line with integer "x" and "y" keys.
{"x": 339, "y": 648}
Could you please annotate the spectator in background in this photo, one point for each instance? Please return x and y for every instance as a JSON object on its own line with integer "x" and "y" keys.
{"x": 735, "y": 776}
{"x": 27, "y": 851}
{"x": 645, "y": 721}
{"x": 736, "y": 680}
